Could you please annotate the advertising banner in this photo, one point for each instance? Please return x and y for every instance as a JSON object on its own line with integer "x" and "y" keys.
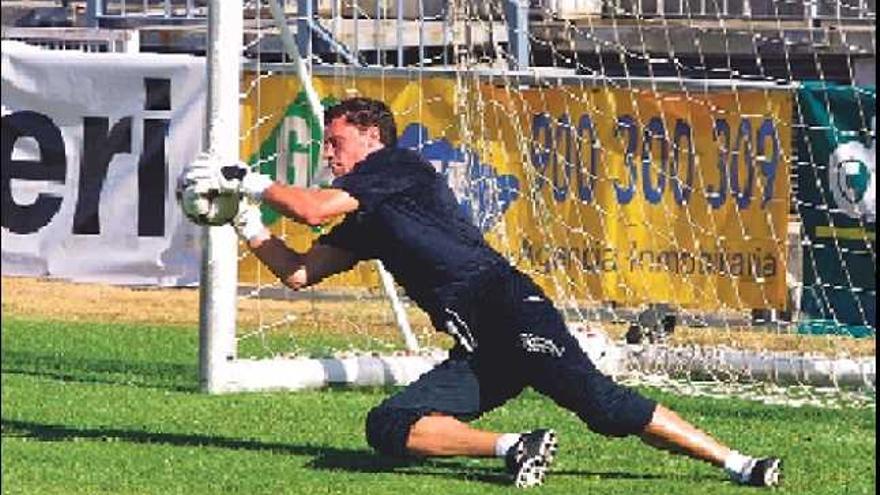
{"x": 602, "y": 194}
{"x": 92, "y": 145}
{"x": 837, "y": 198}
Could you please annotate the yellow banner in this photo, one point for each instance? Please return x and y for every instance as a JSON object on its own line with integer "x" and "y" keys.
{"x": 277, "y": 128}
{"x": 601, "y": 194}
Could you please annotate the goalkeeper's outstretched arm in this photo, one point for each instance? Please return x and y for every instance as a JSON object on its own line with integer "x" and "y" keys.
{"x": 303, "y": 205}
{"x": 300, "y": 270}
{"x": 203, "y": 184}
{"x": 308, "y": 206}
{"x": 296, "y": 270}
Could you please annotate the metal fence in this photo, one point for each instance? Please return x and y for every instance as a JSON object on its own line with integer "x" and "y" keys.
{"x": 513, "y": 34}
{"x": 782, "y": 10}
{"x": 183, "y": 11}
{"x": 163, "y": 11}
{"x": 81, "y": 39}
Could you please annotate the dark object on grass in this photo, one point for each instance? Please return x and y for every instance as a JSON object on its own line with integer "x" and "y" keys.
{"x": 656, "y": 324}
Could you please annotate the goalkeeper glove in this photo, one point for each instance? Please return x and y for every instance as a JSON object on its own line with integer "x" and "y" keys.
{"x": 248, "y": 223}
{"x": 228, "y": 179}
{"x": 200, "y": 197}
{"x": 239, "y": 177}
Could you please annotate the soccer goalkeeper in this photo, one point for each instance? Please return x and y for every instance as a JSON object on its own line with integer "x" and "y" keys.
{"x": 508, "y": 334}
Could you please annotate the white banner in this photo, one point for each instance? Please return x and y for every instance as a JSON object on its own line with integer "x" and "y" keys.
{"x": 92, "y": 146}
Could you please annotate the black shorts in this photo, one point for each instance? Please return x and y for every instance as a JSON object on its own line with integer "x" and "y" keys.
{"x": 511, "y": 337}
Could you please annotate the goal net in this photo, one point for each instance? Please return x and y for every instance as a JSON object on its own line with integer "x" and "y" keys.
{"x": 703, "y": 223}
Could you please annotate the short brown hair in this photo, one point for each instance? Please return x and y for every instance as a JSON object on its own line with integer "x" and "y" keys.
{"x": 364, "y": 113}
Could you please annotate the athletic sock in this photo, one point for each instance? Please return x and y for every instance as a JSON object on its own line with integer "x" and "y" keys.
{"x": 739, "y": 466}
{"x": 505, "y": 442}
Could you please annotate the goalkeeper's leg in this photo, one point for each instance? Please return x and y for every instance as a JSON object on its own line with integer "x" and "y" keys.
{"x": 427, "y": 419}
{"x": 572, "y": 381}
{"x": 555, "y": 366}
{"x": 670, "y": 432}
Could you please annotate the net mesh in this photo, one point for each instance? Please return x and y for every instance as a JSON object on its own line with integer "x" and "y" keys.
{"x": 691, "y": 181}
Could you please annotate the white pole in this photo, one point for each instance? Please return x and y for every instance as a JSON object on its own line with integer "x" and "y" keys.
{"x": 219, "y": 275}
{"x": 302, "y": 70}
{"x": 305, "y": 81}
{"x": 409, "y": 338}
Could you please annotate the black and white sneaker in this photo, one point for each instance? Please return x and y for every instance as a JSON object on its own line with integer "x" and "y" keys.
{"x": 527, "y": 461}
{"x": 765, "y": 472}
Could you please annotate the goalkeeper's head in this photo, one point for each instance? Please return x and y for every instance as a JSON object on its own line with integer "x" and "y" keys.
{"x": 353, "y": 129}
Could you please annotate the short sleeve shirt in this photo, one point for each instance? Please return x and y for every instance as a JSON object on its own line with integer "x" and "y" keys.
{"x": 410, "y": 220}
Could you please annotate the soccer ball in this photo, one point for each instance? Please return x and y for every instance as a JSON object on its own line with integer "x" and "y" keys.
{"x": 207, "y": 206}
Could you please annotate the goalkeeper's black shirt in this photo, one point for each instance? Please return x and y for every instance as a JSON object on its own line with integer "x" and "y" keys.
{"x": 410, "y": 220}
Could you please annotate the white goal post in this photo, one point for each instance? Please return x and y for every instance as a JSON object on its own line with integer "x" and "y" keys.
{"x": 219, "y": 271}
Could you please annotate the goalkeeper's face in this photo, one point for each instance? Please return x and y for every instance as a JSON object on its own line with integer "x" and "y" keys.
{"x": 346, "y": 145}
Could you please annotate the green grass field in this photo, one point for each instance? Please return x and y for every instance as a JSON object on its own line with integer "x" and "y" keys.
{"x": 115, "y": 408}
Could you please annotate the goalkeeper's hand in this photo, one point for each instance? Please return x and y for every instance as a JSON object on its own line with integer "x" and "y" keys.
{"x": 200, "y": 195}
{"x": 236, "y": 178}
{"x": 249, "y": 184}
{"x": 248, "y": 223}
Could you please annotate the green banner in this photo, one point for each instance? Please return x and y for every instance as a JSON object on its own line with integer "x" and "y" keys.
{"x": 291, "y": 152}
{"x": 836, "y": 198}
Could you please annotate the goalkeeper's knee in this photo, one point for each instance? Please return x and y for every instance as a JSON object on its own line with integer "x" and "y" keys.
{"x": 618, "y": 412}
{"x": 388, "y": 429}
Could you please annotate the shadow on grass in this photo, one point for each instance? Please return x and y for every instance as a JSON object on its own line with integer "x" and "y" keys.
{"x": 323, "y": 457}
{"x": 361, "y": 461}
{"x": 168, "y": 376}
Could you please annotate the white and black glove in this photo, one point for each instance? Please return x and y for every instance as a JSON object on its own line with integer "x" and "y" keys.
{"x": 240, "y": 178}
{"x": 210, "y": 195}
{"x": 248, "y": 222}
{"x": 200, "y": 196}
{"x": 230, "y": 178}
